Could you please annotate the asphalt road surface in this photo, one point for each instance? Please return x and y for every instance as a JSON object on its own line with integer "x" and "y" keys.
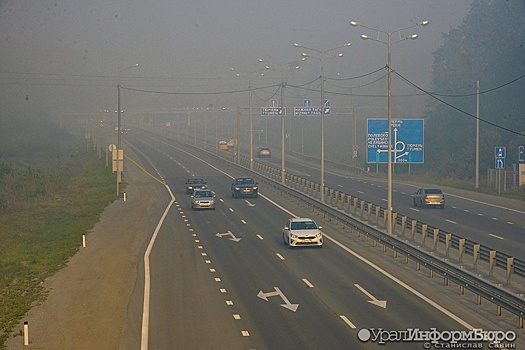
{"x": 222, "y": 279}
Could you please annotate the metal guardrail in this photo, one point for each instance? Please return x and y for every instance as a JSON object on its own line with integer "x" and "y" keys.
{"x": 296, "y": 187}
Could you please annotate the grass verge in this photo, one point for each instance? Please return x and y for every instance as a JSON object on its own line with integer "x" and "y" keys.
{"x": 40, "y": 233}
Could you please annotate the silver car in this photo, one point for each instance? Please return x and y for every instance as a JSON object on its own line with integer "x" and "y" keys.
{"x": 203, "y": 199}
{"x": 429, "y": 197}
{"x": 302, "y": 232}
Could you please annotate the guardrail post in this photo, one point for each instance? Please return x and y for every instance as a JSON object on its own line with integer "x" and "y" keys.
{"x": 403, "y": 225}
{"x": 355, "y": 205}
{"x": 492, "y": 261}
{"x": 510, "y": 268}
{"x": 378, "y": 211}
{"x": 348, "y": 204}
{"x": 436, "y": 238}
{"x": 362, "y": 208}
{"x": 394, "y": 223}
{"x": 461, "y": 249}
{"x": 413, "y": 229}
{"x": 424, "y": 232}
{"x": 369, "y": 210}
{"x": 448, "y": 238}
{"x": 475, "y": 254}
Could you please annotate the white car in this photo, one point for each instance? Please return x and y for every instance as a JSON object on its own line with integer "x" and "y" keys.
{"x": 302, "y": 232}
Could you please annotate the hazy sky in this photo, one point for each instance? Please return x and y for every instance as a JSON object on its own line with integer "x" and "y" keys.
{"x": 67, "y": 55}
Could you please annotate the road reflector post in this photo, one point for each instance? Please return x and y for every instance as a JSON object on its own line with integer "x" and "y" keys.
{"x": 479, "y": 299}
{"x": 26, "y": 333}
{"x": 492, "y": 261}
{"x": 83, "y": 240}
{"x": 124, "y": 196}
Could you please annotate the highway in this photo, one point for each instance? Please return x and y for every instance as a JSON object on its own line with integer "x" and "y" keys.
{"x": 222, "y": 279}
{"x": 499, "y": 225}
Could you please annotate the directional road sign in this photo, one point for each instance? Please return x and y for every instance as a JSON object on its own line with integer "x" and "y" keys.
{"x": 272, "y": 111}
{"x": 407, "y": 141}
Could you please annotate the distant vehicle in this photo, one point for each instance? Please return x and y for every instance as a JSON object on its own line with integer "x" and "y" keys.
{"x": 429, "y": 197}
{"x": 244, "y": 187}
{"x": 264, "y": 152}
{"x": 195, "y": 183}
{"x": 223, "y": 145}
{"x": 203, "y": 199}
{"x": 302, "y": 232}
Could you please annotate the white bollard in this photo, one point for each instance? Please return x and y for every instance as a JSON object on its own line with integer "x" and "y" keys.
{"x": 26, "y": 333}
{"x": 83, "y": 240}
{"x": 124, "y": 196}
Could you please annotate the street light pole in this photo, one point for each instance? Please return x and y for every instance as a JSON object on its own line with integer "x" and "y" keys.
{"x": 250, "y": 75}
{"x": 322, "y": 53}
{"x": 119, "y": 126}
{"x": 389, "y": 130}
{"x": 281, "y": 69}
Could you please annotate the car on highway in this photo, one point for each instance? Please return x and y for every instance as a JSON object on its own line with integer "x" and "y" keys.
{"x": 244, "y": 187}
{"x": 223, "y": 145}
{"x": 264, "y": 152}
{"x": 203, "y": 199}
{"x": 429, "y": 197}
{"x": 195, "y": 183}
{"x": 302, "y": 232}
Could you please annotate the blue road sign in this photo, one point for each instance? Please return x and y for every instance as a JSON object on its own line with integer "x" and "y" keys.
{"x": 521, "y": 154}
{"x": 500, "y": 152}
{"x": 407, "y": 141}
{"x": 500, "y": 163}
{"x": 272, "y": 111}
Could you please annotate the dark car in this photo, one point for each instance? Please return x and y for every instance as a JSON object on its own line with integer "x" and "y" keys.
{"x": 264, "y": 152}
{"x": 244, "y": 187}
{"x": 195, "y": 183}
{"x": 429, "y": 197}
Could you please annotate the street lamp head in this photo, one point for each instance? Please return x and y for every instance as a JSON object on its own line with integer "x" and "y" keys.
{"x": 340, "y": 54}
{"x": 423, "y": 23}
{"x": 354, "y": 24}
{"x": 365, "y": 37}
{"x": 304, "y": 54}
{"x": 347, "y": 44}
{"x": 261, "y": 60}
{"x": 296, "y": 45}
{"x": 413, "y": 36}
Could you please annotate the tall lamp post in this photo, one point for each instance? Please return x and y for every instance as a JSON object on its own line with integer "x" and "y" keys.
{"x": 322, "y": 53}
{"x": 281, "y": 68}
{"x": 389, "y": 130}
{"x": 119, "y": 126}
{"x": 250, "y": 76}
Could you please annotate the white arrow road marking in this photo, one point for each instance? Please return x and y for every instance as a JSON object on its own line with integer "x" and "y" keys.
{"x": 287, "y": 304}
{"x": 229, "y": 233}
{"x": 380, "y": 303}
{"x": 249, "y": 204}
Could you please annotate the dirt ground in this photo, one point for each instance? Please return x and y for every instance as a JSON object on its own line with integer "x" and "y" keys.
{"x": 87, "y": 302}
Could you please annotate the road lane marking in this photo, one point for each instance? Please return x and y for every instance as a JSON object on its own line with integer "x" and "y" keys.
{"x": 280, "y": 256}
{"x": 310, "y": 285}
{"x": 452, "y": 222}
{"x": 260, "y": 237}
{"x": 498, "y": 237}
{"x": 347, "y": 321}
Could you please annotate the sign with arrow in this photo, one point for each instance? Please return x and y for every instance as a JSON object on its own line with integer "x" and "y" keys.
{"x": 229, "y": 233}
{"x": 286, "y": 305}
{"x": 380, "y": 303}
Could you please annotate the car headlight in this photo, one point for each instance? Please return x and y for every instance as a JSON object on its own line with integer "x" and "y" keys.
{"x": 237, "y": 188}
{"x": 195, "y": 202}
{"x": 254, "y": 187}
{"x": 318, "y": 235}
{"x": 294, "y": 236}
